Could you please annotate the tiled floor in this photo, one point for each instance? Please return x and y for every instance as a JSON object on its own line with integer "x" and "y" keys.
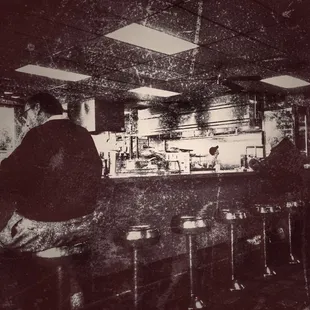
{"x": 286, "y": 290}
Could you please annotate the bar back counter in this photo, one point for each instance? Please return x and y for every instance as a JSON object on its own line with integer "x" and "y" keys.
{"x": 154, "y": 200}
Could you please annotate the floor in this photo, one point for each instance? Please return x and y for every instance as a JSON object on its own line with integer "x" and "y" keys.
{"x": 285, "y": 290}
{"x": 288, "y": 289}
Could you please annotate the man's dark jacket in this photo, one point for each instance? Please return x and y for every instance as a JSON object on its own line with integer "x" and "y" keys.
{"x": 54, "y": 174}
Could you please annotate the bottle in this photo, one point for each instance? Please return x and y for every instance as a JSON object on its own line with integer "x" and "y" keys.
{"x": 105, "y": 168}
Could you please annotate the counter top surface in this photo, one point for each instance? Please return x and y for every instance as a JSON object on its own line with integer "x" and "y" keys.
{"x": 193, "y": 174}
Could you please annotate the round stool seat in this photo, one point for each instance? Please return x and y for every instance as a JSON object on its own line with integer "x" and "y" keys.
{"x": 227, "y": 215}
{"x": 142, "y": 235}
{"x": 267, "y": 209}
{"x": 63, "y": 251}
{"x": 293, "y": 206}
{"x": 70, "y": 294}
{"x": 188, "y": 224}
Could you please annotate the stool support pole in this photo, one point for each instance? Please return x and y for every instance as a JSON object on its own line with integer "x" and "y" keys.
{"x": 195, "y": 302}
{"x": 267, "y": 270}
{"x": 190, "y": 262}
{"x": 60, "y": 287}
{"x": 264, "y": 243}
{"x": 235, "y": 284}
{"x": 292, "y": 260}
{"x": 135, "y": 278}
{"x": 232, "y": 254}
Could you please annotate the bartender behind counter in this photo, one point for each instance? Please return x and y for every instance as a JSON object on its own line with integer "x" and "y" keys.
{"x": 214, "y": 162}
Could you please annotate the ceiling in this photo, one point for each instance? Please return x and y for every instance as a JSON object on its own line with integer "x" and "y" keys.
{"x": 235, "y": 37}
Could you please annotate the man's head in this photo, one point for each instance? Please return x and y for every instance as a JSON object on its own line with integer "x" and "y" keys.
{"x": 214, "y": 150}
{"x": 40, "y": 107}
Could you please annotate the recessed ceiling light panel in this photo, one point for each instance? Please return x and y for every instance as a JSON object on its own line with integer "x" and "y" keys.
{"x": 53, "y": 73}
{"x": 286, "y": 81}
{"x": 151, "y": 39}
{"x": 153, "y": 92}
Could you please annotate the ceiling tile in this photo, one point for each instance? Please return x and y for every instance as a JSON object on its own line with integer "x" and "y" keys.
{"x": 106, "y": 47}
{"x": 238, "y": 15}
{"x": 283, "y": 64}
{"x": 56, "y": 37}
{"x": 130, "y": 9}
{"x": 206, "y": 59}
{"x": 176, "y": 22}
{"x": 175, "y": 64}
{"x": 20, "y": 50}
{"x": 93, "y": 61}
{"x": 211, "y": 32}
{"x": 151, "y": 72}
{"x": 243, "y": 67}
{"x": 128, "y": 78}
{"x": 285, "y": 38}
{"x": 286, "y": 8}
{"x": 245, "y": 48}
{"x": 93, "y": 21}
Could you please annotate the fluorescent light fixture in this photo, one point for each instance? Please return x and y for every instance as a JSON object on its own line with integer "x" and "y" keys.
{"x": 53, "y": 73}
{"x": 151, "y": 39}
{"x": 153, "y": 92}
{"x": 285, "y": 81}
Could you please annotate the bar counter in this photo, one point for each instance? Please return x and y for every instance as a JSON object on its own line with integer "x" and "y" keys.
{"x": 154, "y": 200}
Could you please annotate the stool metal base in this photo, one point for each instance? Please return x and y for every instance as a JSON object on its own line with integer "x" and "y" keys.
{"x": 196, "y": 303}
{"x": 236, "y": 286}
{"x": 293, "y": 260}
{"x": 269, "y": 272}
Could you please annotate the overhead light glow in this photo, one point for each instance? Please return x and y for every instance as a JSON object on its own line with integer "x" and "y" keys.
{"x": 153, "y": 92}
{"x": 151, "y": 39}
{"x": 53, "y": 73}
{"x": 285, "y": 81}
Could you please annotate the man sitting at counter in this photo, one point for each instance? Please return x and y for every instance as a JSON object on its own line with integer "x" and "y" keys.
{"x": 49, "y": 188}
{"x": 49, "y": 184}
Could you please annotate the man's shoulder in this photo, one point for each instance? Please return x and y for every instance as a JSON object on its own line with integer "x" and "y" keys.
{"x": 63, "y": 130}
{"x": 62, "y": 123}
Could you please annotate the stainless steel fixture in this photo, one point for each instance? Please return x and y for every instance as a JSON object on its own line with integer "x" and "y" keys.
{"x": 292, "y": 207}
{"x": 191, "y": 226}
{"x": 233, "y": 217}
{"x": 264, "y": 210}
{"x": 136, "y": 237}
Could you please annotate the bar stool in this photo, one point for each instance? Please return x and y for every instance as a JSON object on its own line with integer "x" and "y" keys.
{"x": 190, "y": 226}
{"x": 62, "y": 259}
{"x": 292, "y": 207}
{"x": 136, "y": 237}
{"x": 264, "y": 211}
{"x": 233, "y": 217}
